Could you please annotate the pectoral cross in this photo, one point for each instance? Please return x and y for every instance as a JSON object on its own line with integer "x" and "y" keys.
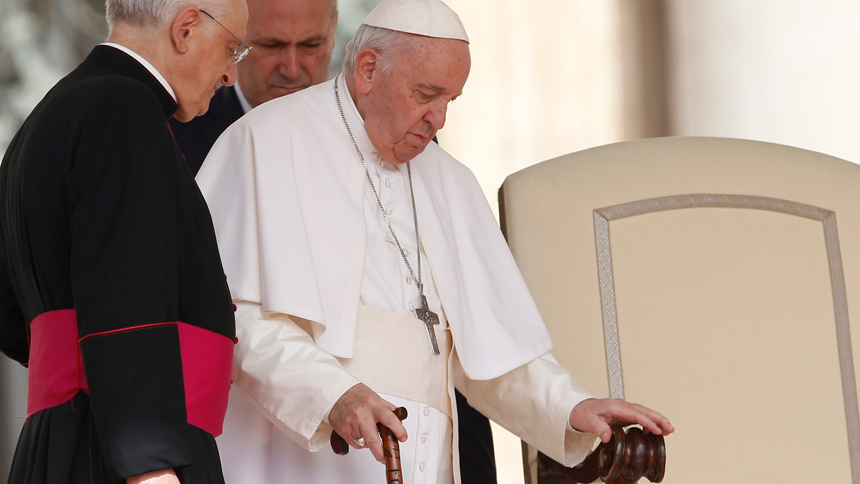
{"x": 430, "y": 318}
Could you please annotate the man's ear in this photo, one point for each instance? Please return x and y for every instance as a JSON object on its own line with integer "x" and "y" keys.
{"x": 366, "y": 69}
{"x": 183, "y": 27}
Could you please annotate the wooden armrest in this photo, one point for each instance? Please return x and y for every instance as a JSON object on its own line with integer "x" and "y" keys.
{"x": 626, "y": 458}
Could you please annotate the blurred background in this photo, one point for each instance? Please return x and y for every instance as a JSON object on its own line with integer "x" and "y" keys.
{"x": 549, "y": 77}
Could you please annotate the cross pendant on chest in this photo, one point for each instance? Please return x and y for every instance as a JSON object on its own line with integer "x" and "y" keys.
{"x": 430, "y": 318}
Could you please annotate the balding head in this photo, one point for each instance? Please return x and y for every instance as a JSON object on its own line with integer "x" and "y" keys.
{"x": 193, "y": 45}
{"x": 293, "y": 42}
{"x": 150, "y": 13}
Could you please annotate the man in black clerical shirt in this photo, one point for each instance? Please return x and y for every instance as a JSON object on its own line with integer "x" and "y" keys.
{"x": 292, "y": 44}
{"x": 111, "y": 287}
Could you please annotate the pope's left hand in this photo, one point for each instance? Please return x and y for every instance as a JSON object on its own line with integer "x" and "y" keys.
{"x": 595, "y": 415}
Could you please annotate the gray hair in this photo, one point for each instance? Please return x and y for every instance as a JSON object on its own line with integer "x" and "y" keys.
{"x": 388, "y": 43}
{"x": 154, "y": 12}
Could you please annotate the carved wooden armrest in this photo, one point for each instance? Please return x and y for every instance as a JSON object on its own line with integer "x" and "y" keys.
{"x": 625, "y": 459}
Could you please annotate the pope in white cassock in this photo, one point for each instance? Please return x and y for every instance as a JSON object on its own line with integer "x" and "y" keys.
{"x": 370, "y": 273}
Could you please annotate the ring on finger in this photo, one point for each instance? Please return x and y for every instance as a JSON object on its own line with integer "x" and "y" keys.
{"x": 360, "y": 442}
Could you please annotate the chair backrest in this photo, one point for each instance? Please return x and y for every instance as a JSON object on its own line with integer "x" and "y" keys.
{"x": 715, "y": 280}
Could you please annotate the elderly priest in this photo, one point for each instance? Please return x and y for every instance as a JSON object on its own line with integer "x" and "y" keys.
{"x": 370, "y": 273}
{"x": 111, "y": 287}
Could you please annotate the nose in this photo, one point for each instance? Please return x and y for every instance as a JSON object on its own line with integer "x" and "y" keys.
{"x": 436, "y": 114}
{"x": 229, "y": 76}
{"x": 289, "y": 66}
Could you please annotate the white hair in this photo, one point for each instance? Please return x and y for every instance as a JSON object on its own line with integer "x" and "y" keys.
{"x": 154, "y": 12}
{"x": 386, "y": 42}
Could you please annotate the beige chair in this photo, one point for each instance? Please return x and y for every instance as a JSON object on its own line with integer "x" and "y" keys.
{"x": 715, "y": 280}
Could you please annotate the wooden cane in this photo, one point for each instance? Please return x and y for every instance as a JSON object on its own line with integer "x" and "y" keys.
{"x": 390, "y": 449}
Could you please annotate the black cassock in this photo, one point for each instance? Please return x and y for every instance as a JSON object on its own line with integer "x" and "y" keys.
{"x": 105, "y": 231}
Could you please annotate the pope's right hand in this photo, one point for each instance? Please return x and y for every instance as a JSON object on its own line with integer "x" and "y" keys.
{"x": 355, "y": 415}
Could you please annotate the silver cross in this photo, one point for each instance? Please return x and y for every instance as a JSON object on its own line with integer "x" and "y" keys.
{"x": 430, "y": 318}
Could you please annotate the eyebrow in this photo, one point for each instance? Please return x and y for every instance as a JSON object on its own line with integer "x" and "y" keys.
{"x": 315, "y": 38}
{"x": 434, "y": 87}
{"x": 268, "y": 40}
{"x": 279, "y": 41}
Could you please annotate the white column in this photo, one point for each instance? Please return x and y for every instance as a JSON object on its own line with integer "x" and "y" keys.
{"x": 771, "y": 70}
{"x": 545, "y": 81}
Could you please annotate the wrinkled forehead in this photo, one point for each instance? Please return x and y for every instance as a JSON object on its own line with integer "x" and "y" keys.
{"x": 437, "y": 59}
{"x": 291, "y": 21}
{"x": 294, "y": 12}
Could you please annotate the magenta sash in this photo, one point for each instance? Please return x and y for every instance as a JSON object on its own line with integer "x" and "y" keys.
{"x": 57, "y": 371}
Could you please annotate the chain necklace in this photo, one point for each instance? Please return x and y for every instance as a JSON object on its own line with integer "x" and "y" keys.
{"x": 423, "y": 313}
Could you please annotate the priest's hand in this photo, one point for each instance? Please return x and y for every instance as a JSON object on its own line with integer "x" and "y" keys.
{"x": 166, "y": 476}
{"x": 596, "y": 415}
{"x": 355, "y": 415}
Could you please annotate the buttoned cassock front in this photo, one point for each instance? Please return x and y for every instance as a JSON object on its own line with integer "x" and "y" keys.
{"x": 301, "y": 237}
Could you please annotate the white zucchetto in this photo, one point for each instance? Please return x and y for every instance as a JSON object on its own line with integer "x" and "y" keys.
{"x": 430, "y": 18}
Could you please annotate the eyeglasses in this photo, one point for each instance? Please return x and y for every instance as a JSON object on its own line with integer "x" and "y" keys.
{"x": 238, "y": 55}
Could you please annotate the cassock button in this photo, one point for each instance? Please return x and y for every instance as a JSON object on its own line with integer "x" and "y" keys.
{"x": 389, "y": 210}
{"x": 422, "y": 466}
{"x": 235, "y": 308}
{"x": 426, "y": 411}
{"x": 411, "y": 307}
{"x": 408, "y": 279}
{"x": 388, "y": 182}
{"x": 424, "y": 439}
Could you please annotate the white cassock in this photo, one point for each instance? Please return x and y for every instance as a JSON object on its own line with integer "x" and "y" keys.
{"x": 326, "y": 301}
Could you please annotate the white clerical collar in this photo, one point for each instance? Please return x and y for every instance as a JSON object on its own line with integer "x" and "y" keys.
{"x": 246, "y": 106}
{"x": 152, "y": 70}
{"x": 350, "y": 111}
{"x": 349, "y": 101}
